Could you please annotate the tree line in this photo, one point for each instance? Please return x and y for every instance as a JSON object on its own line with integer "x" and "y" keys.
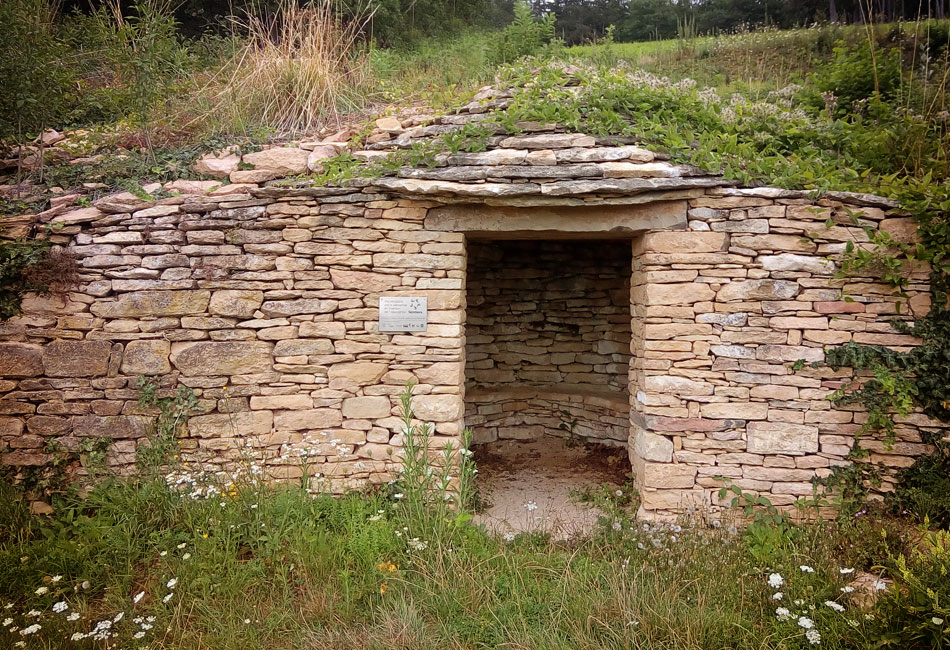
{"x": 403, "y": 22}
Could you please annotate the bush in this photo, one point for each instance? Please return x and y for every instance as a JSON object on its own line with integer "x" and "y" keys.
{"x": 916, "y": 612}
{"x": 32, "y": 267}
{"x": 856, "y": 74}
{"x": 37, "y": 78}
{"x": 525, "y": 36}
{"x": 923, "y": 489}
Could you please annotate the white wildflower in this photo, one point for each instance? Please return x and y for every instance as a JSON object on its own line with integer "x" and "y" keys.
{"x": 247, "y": 621}
{"x": 182, "y": 545}
{"x": 782, "y": 613}
{"x": 845, "y": 572}
{"x": 879, "y": 585}
{"x": 118, "y": 617}
{"x": 835, "y": 606}
{"x": 168, "y": 597}
{"x": 508, "y": 537}
{"x": 937, "y": 621}
{"x": 41, "y": 590}
{"x": 138, "y": 597}
{"x": 34, "y": 613}
{"x": 56, "y": 579}
{"x": 77, "y": 636}
{"x": 7, "y": 622}
{"x": 847, "y": 590}
{"x": 806, "y": 569}
{"x": 171, "y": 583}
{"x": 33, "y": 629}
{"x": 813, "y": 636}
{"x": 530, "y": 506}
{"x": 186, "y": 556}
{"x": 73, "y": 616}
{"x": 778, "y": 595}
{"x": 139, "y": 634}
{"x": 805, "y": 623}
{"x": 776, "y": 580}
{"x": 61, "y": 606}
{"x": 85, "y": 584}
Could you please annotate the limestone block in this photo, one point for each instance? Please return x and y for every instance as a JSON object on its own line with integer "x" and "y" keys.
{"x": 313, "y": 419}
{"x": 678, "y": 294}
{"x": 209, "y": 358}
{"x": 791, "y": 262}
{"x": 781, "y": 438}
{"x": 77, "y": 358}
{"x": 676, "y": 499}
{"x": 366, "y": 407}
{"x": 650, "y": 446}
{"x": 236, "y": 302}
{"x": 685, "y": 241}
{"x": 438, "y": 408}
{"x": 676, "y": 385}
{"x": 277, "y": 402}
{"x": 227, "y": 425}
{"x": 442, "y": 374}
{"x": 294, "y": 347}
{"x": 364, "y": 281}
{"x": 664, "y": 475}
{"x": 738, "y": 410}
{"x": 758, "y": 290}
{"x": 153, "y": 303}
{"x": 118, "y": 427}
{"x": 21, "y": 360}
{"x": 775, "y": 243}
{"x": 218, "y": 166}
{"x": 146, "y": 357}
{"x": 301, "y": 306}
{"x": 281, "y": 160}
{"x": 360, "y": 373}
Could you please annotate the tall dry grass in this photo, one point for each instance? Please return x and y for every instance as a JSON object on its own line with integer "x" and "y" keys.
{"x": 294, "y": 71}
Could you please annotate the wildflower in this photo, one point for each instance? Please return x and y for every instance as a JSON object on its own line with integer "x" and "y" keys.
{"x": 382, "y": 589}
{"x": 55, "y": 579}
{"x": 618, "y": 493}
{"x": 776, "y": 580}
{"x": 847, "y": 590}
{"x": 138, "y": 597}
{"x": 247, "y": 621}
{"x": 183, "y": 544}
{"x": 782, "y": 613}
{"x": 73, "y": 616}
{"x": 778, "y": 595}
{"x": 530, "y": 506}
{"x": 163, "y": 554}
{"x": 118, "y": 617}
{"x": 139, "y": 634}
{"x": 7, "y": 622}
{"x": 806, "y": 569}
{"x": 508, "y": 537}
{"x": 937, "y": 621}
{"x": 171, "y": 583}
{"x": 845, "y": 571}
{"x": 34, "y": 612}
{"x": 168, "y": 597}
{"x": 186, "y": 556}
{"x": 835, "y": 606}
{"x": 33, "y": 629}
{"x": 85, "y": 584}
{"x": 387, "y": 566}
{"x": 813, "y": 636}
{"x": 398, "y": 495}
{"x": 879, "y": 585}
{"x": 41, "y": 590}
{"x": 77, "y": 636}
{"x": 805, "y": 623}
{"x": 61, "y": 606}
{"x": 375, "y": 517}
{"x": 417, "y": 545}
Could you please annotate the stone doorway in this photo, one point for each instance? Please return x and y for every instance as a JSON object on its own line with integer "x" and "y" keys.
{"x": 548, "y": 351}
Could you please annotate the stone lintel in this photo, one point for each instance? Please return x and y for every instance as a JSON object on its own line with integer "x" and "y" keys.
{"x": 554, "y": 221}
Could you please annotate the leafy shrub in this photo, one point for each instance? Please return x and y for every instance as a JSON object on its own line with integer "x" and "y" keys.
{"x": 858, "y": 73}
{"x": 525, "y": 36}
{"x": 916, "y": 612}
{"x": 923, "y": 489}
{"x": 37, "y": 79}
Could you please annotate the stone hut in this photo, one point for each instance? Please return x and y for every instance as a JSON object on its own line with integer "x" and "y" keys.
{"x": 561, "y": 277}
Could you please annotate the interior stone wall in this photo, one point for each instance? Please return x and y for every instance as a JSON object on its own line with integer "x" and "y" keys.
{"x": 548, "y": 338}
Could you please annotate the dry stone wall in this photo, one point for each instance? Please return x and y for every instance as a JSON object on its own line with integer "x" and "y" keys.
{"x": 266, "y": 307}
{"x": 722, "y": 311}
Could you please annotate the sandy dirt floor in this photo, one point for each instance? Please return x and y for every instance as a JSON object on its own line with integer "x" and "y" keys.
{"x": 528, "y": 486}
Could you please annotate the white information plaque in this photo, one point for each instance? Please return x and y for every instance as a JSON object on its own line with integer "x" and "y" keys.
{"x": 403, "y": 314}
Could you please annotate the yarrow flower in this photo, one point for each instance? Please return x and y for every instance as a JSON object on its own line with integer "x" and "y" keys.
{"x": 73, "y": 616}
{"x": 171, "y": 583}
{"x": 33, "y": 629}
{"x": 530, "y": 506}
{"x": 805, "y": 623}
{"x": 782, "y": 613}
{"x": 138, "y": 597}
{"x": 61, "y": 606}
{"x": 776, "y": 580}
{"x": 778, "y": 595}
{"x": 806, "y": 569}
{"x": 813, "y": 636}
{"x": 835, "y": 606}
{"x": 879, "y": 585}
{"x": 845, "y": 571}
{"x": 41, "y": 590}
